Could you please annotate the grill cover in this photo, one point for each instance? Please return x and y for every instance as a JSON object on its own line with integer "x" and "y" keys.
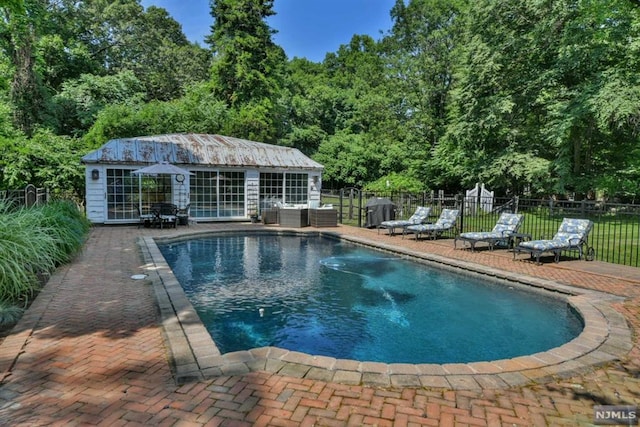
{"x": 379, "y": 209}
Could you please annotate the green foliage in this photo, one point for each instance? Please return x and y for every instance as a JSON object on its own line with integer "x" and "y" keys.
{"x": 309, "y": 103}
{"x": 197, "y": 112}
{"x": 549, "y": 81}
{"x": 6, "y": 123}
{"x": 347, "y": 160}
{"x": 422, "y": 65}
{"x": 80, "y": 100}
{"x": 16, "y": 6}
{"x": 59, "y": 60}
{"x": 396, "y": 182}
{"x": 18, "y": 21}
{"x": 248, "y": 67}
{"x": 9, "y": 314}
{"x": 307, "y": 139}
{"x": 517, "y": 173}
{"x": 252, "y": 121}
{"x": 45, "y": 160}
{"x": 63, "y": 220}
{"x": 624, "y": 184}
{"x": 524, "y": 95}
{"x": 33, "y": 242}
{"x": 67, "y": 46}
{"x": 162, "y": 58}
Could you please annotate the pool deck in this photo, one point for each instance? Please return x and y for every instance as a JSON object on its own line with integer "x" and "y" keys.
{"x": 95, "y": 348}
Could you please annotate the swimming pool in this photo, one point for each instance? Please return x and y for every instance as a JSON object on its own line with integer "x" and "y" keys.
{"x": 320, "y": 296}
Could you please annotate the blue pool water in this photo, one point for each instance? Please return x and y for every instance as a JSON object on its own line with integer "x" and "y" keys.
{"x": 324, "y": 297}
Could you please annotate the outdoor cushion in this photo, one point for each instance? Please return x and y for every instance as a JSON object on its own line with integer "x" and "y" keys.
{"x": 446, "y": 222}
{"x": 507, "y": 224}
{"x": 572, "y": 234}
{"x": 419, "y": 216}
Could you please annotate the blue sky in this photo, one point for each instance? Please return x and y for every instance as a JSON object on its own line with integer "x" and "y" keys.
{"x": 306, "y": 28}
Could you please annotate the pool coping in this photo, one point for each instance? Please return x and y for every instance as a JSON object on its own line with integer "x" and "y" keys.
{"x": 194, "y": 356}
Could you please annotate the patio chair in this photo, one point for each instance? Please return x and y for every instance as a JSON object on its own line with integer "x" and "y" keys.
{"x": 507, "y": 225}
{"x": 419, "y": 216}
{"x": 167, "y": 215}
{"x": 182, "y": 215}
{"x": 446, "y": 222}
{"x": 572, "y": 235}
{"x": 145, "y": 217}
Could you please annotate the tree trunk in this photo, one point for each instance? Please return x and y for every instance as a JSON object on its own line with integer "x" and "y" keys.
{"x": 25, "y": 93}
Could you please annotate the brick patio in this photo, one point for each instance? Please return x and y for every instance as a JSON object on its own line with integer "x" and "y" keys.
{"x": 91, "y": 350}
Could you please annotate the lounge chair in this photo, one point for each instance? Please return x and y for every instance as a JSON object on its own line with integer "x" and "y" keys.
{"x": 572, "y": 235}
{"x": 419, "y": 216}
{"x": 507, "y": 224}
{"x": 446, "y": 222}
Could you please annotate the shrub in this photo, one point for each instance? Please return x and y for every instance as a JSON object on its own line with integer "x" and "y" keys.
{"x": 67, "y": 225}
{"x": 9, "y": 314}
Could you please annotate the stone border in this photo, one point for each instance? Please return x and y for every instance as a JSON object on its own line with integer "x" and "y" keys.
{"x": 194, "y": 356}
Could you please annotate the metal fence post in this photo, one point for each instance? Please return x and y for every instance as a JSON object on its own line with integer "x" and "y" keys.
{"x": 360, "y": 208}
{"x": 341, "y": 201}
{"x": 460, "y": 197}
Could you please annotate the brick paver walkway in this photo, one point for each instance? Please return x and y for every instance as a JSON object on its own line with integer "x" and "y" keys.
{"x": 90, "y": 351}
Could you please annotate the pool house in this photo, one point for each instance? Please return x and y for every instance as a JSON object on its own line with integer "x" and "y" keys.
{"x": 224, "y": 179}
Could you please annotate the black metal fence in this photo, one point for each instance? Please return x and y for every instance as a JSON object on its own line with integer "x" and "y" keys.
{"x": 28, "y": 196}
{"x": 615, "y": 236}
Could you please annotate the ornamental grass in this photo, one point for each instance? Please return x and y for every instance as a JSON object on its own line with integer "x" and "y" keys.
{"x": 33, "y": 243}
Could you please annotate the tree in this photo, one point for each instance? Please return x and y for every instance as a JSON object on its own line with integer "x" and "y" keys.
{"x": 17, "y": 39}
{"x": 162, "y": 57}
{"x": 247, "y": 65}
{"x": 52, "y": 42}
{"x": 197, "y": 112}
{"x": 593, "y": 95}
{"x": 420, "y": 50}
{"x": 122, "y": 36}
{"x": 305, "y": 99}
{"x": 497, "y": 84}
{"x": 248, "y": 68}
{"x": 44, "y": 160}
{"x": 80, "y": 100}
{"x": 355, "y": 108}
{"x": 536, "y": 79}
{"x": 347, "y": 160}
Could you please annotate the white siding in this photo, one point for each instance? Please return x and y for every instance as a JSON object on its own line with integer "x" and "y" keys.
{"x": 95, "y": 197}
{"x": 191, "y": 152}
{"x": 96, "y": 193}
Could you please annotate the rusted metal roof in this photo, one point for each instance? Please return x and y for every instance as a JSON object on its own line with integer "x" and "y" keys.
{"x": 200, "y": 150}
